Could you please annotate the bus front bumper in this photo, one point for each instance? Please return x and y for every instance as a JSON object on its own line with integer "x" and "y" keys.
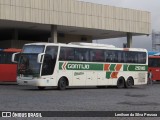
{"x": 33, "y": 82}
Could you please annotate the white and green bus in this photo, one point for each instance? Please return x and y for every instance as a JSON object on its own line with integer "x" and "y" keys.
{"x": 81, "y": 64}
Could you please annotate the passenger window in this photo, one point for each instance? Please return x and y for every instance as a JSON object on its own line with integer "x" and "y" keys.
{"x": 81, "y": 54}
{"x": 111, "y": 56}
{"x": 66, "y": 54}
{"x": 97, "y": 55}
{"x": 141, "y": 58}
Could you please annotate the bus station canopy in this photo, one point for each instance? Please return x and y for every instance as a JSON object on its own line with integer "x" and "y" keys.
{"x": 74, "y": 17}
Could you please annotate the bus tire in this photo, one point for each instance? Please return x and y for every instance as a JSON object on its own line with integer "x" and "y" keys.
{"x": 41, "y": 88}
{"x": 121, "y": 82}
{"x": 129, "y": 83}
{"x": 62, "y": 84}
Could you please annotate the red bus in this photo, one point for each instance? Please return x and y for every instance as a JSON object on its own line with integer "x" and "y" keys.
{"x": 8, "y": 70}
{"x": 154, "y": 66}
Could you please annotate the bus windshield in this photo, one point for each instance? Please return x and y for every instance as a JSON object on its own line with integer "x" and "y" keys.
{"x": 28, "y": 65}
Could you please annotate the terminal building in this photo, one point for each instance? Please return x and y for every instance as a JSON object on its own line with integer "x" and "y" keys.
{"x": 64, "y": 21}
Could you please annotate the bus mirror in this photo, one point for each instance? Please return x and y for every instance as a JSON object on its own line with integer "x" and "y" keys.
{"x": 15, "y": 57}
{"x": 40, "y": 57}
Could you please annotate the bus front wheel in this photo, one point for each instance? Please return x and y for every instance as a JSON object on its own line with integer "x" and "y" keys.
{"x": 62, "y": 84}
{"x": 120, "y": 82}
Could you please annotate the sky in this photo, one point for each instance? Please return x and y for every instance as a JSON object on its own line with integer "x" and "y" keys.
{"x": 153, "y": 6}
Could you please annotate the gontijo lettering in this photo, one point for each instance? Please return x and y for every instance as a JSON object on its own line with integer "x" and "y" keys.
{"x": 78, "y": 66}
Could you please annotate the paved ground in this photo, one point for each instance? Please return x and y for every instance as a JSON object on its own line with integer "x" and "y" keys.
{"x": 24, "y": 98}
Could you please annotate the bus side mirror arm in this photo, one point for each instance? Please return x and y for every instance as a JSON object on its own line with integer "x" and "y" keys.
{"x": 14, "y": 56}
{"x": 40, "y": 56}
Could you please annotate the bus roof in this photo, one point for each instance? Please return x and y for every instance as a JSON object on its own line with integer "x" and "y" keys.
{"x": 90, "y": 45}
{"x": 44, "y": 43}
{"x": 154, "y": 56}
{"x": 12, "y": 50}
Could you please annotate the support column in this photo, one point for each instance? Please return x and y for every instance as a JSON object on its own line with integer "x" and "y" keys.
{"x": 129, "y": 40}
{"x": 53, "y": 34}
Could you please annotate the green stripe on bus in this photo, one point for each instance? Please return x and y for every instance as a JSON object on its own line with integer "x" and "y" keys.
{"x": 112, "y": 66}
{"x": 60, "y": 65}
{"x": 96, "y": 67}
{"x": 80, "y": 66}
{"x": 135, "y": 68}
{"x": 99, "y": 67}
{"x": 125, "y": 67}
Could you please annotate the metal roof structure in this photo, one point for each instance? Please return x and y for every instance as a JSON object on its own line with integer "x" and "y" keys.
{"x": 74, "y": 17}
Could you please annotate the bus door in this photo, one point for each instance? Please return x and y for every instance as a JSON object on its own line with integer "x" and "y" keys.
{"x": 49, "y": 62}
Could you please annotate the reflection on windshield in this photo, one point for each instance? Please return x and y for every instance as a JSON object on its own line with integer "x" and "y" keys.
{"x": 28, "y": 65}
{"x": 33, "y": 49}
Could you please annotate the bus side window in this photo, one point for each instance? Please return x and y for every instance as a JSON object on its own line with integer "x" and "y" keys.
{"x": 1, "y": 57}
{"x": 69, "y": 54}
{"x": 79, "y": 55}
{"x": 115, "y": 56}
{"x": 52, "y": 50}
{"x": 158, "y": 63}
{"x": 106, "y": 54}
{"x": 8, "y": 58}
{"x": 141, "y": 58}
{"x": 144, "y": 58}
{"x": 120, "y": 57}
{"x": 92, "y": 56}
{"x": 97, "y": 55}
{"x": 112, "y": 56}
{"x": 125, "y": 56}
{"x": 62, "y": 55}
{"x": 86, "y": 55}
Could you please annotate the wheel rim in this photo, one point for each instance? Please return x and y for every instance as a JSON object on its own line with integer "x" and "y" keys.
{"x": 62, "y": 84}
{"x": 129, "y": 82}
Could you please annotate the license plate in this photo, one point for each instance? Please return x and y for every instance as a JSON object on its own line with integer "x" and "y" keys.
{"x": 25, "y": 81}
